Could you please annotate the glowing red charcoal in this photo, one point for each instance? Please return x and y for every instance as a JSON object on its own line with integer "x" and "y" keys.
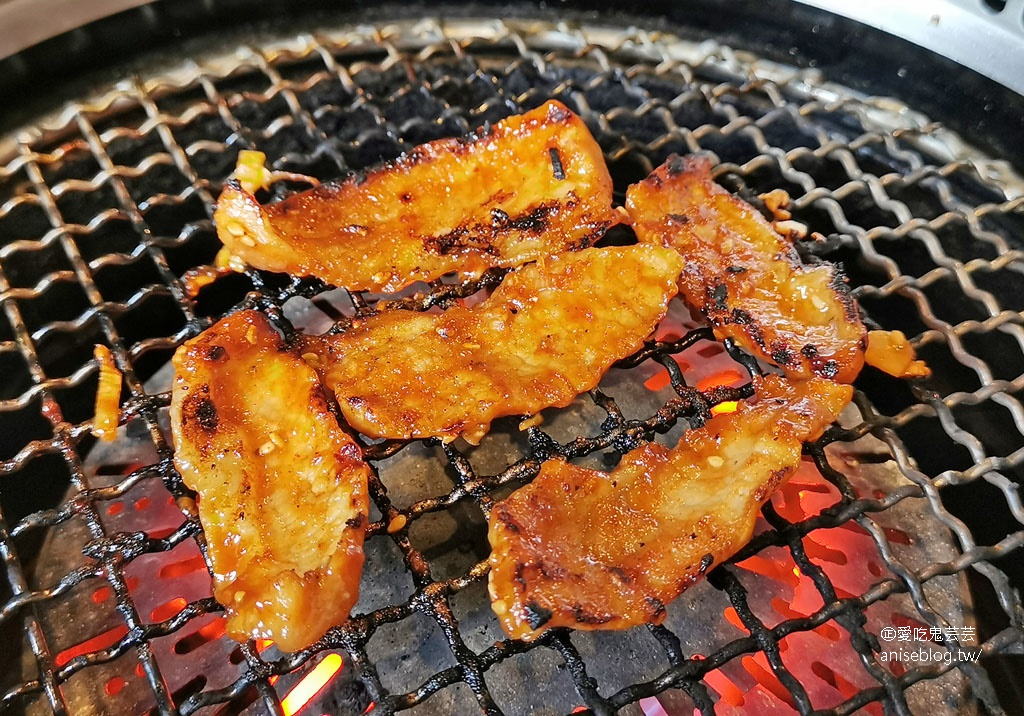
{"x": 114, "y": 686}
{"x": 168, "y": 609}
{"x": 707, "y": 365}
{"x": 661, "y": 379}
{"x": 103, "y": 641}
{"x": 728, "y": 377}
{"x": 731, "y": 694}
{"x": 182, "y": 567}
{"x": 822, "y": 660}
{"x": 211, "y": 632}
{"x": 311, "y": 684}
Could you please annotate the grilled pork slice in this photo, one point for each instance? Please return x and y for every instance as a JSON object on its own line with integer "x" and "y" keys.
{"x": 546, "y": 334}
{"x": 257, "y": 440}
{"x": 746, "y": 278}
{"x": 529, "y": 186}
{"x": 592, "y": 550}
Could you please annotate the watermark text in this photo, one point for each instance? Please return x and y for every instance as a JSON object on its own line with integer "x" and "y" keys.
{"x": 926, "y": 656}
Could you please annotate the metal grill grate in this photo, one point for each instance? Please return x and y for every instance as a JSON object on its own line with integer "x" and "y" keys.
{"x": 105, "y": 207}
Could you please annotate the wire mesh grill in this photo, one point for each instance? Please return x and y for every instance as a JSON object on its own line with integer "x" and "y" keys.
{"x": 105, "y": 207}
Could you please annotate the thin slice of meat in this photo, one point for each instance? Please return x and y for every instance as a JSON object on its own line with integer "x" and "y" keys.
{"x": 546, "y": 334}
{"x": 592, "y": 550}
{"x": 256, "y": 438}
{"x": 529, "y": 186}
{"x": 747, "y": 279}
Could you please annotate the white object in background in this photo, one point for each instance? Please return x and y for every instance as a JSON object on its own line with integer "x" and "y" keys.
{"x": 24, "y": 23}
{"x": 987, "y": 40}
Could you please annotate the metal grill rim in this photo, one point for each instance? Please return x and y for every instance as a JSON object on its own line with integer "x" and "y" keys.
{"x": 928, "y": 156}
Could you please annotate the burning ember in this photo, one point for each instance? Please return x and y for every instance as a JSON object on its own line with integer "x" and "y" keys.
{"x": 304, "y": 691}
{"x": 183, "y": 570}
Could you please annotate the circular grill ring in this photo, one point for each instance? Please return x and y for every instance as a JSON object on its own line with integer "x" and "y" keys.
{"x": 107, "y": 206}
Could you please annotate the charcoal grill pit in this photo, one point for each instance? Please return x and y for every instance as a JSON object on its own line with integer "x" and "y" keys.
{"x": 106, "y": 205}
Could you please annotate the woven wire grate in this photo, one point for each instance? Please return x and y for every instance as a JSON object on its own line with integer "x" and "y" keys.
{"x": 105, "y": 207}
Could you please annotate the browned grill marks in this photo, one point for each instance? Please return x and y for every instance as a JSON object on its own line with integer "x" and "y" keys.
{"x": 744, "y": 276}
{"x": 198, "y": 407}
{"x": 531, "y": 185}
